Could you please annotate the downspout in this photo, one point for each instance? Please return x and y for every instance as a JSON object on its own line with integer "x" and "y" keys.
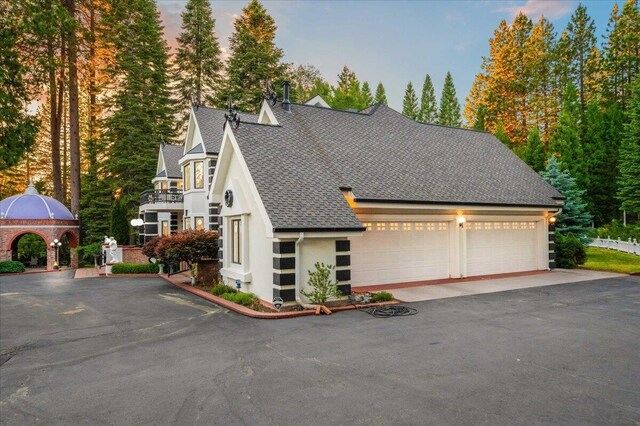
{"x": 297, "y": 283}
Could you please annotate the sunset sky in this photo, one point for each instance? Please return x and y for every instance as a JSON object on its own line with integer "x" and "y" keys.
{"x": 392, "y": 42}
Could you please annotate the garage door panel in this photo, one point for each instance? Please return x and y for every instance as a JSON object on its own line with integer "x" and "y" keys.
{"x": 496, "y": 248}
{"x": 391, "y": 252}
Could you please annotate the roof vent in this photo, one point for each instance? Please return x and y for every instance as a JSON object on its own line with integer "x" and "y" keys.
{"x": 286, "y": 103}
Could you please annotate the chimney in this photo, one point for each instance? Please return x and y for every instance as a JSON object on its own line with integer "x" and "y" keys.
{"x": 286, "y": 104}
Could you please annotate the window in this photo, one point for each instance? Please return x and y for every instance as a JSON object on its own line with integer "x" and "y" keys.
{"x": 199, "y": 223}
{"x": 163, "y": 185}
{"x": 532, "y": 225}
{"x": 393, "y": 226}
{"x": 180, "y": 184}
{"x": 212, "y": 169}
{"x": 368, "y": 226}
{"x": 187, "y": 223}
{"x": 406, "y": 227}
{"x": 381, "y": 226}
{"x": 235, "y": 241}
{"x": 496, "y": 225}
{"x": 442, "y": 226}
{"x": 198, "y": 175}
{"x": 431, "y": 226}
{"x": 487, "y": 225}
{"x": 165, "y": 228}
{"x": 419, "y": 226}
{"x": 506, "y": 225}
{"x": 187, "y": 177}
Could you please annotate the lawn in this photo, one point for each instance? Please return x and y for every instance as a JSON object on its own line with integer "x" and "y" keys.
{"x": 610, "y": 260}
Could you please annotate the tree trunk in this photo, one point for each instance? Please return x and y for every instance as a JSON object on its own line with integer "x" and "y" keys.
{"x": 54, "y": 126}
{"x": 74, "y": 115}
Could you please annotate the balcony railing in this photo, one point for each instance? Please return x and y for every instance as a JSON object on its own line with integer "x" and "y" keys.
{"x": 155, "y": 196}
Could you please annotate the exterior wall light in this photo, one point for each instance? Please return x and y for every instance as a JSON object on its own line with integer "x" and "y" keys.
{"x": 137, "y": 222}
{"x": 552, "y": 220}
{"x": 461, "y": 221}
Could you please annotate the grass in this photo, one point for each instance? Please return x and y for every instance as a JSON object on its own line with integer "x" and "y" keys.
{"x": 599, "y": 259}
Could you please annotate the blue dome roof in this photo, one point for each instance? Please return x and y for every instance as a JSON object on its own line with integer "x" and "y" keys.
{"x": 32, "y": 205}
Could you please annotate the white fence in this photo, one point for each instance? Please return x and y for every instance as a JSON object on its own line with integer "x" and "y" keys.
{"x": 626, "y": 246}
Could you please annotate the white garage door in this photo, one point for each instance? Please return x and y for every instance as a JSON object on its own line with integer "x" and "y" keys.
{"x": 501, "y": 247}
{"x": 395, "y": 252}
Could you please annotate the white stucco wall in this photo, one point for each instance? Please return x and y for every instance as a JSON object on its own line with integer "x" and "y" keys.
{"x": 314, "y": 250}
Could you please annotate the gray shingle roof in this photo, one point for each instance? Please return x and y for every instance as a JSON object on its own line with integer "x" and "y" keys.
{"x": 172, "y": 154}
{"x": 300, "y": 165}
{"x": 210, "y": 121}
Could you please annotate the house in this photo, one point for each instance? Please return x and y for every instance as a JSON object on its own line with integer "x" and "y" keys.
{"x": 383, "y": 198}
{"x": 179, "y": 198}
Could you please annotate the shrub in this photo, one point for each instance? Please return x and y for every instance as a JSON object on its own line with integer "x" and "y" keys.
{"x": 149, "y": 248}
{"x": 244, "y": 299}
{"x": 322, "y": 284}
{"x": 570, "y": 251}
{"x": 190, "y": 246}
{"x": 382, "y": 296}
{"x": 616, "y": 229}
{"x": 11, "y": 266}
{"x": 135, "y": 268}
{"x": 220, "y": 289}
{"x": 90, "y": 252}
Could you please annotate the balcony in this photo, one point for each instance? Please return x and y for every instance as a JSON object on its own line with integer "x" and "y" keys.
{"x": 162, "y": 199}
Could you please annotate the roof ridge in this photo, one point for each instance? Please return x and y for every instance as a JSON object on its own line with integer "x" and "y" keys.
{"x": 330, "y": 109}
{"x": 220, "y": 109}
{"x": 438, "y": 125}
{"x": 259, "y": 124}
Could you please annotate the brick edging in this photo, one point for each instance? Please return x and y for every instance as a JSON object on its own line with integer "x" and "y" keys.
{"x": 261, "y": 315}
{"x": 36, "y": 272}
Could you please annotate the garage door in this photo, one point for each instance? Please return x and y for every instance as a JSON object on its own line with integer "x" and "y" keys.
{"x": 501, "y": 247}
{"x": 394, "y": 252}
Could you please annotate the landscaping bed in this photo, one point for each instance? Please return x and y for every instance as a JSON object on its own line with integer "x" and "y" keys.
{"x": 599, "y": 259}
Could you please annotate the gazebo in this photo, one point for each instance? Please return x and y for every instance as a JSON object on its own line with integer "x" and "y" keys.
{"x": 37, "y": 214}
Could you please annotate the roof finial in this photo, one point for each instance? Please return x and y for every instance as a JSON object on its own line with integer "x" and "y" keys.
{"x": 31, "y": 189}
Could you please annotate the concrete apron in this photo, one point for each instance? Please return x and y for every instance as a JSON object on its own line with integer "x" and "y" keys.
{"x": 443, "y": 291}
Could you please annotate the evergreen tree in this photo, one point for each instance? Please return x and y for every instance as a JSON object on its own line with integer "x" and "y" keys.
{"x": 304, "y": 80}
{"x": 428, "y": 105}
{"x": 449, "y": 113}
{"x": 255, "y": 58}
{"x": 410, "y": 103}
{"x": 119, "y": 222}
{"x": 565, "y": 140}
{"x": 533, "y": 153}
{"x": 17, "y": 129}
{"x": 501, "y": 135}
{"x": 140, "y": 109}
{"x": 578, "y": 52}
{"x": 629, "y": 181}
{"x": 574, "y": 217}
{"x": 381, "y": 96}
{"x": 479, "y": 123}
{"x": 197, "y": 63}
{"x": 622, "y": 51}
{"x": 367, "y": 98}
{"x": 347, "y": 95}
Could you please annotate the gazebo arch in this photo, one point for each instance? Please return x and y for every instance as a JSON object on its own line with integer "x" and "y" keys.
{"x": 34, "y": 213}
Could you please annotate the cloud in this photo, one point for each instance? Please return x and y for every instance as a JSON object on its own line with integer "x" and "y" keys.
{"x": 534, "y": 9}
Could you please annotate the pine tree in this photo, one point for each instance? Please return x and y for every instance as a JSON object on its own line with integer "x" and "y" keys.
{"x": 574, "y": 217}
{"x": 449, "y": 113}
{"x": 410, "y": 103}
{"x": 622, "y": 51}
{"x": 533, "y": 153}
{"x": 428, "y": 105}
{"x": 565, "y": 140}
{"x": 140, "y": 109}
{"x": 254, "y": 60}
{"x": 197, "y": 63}
{"x": 347, "y": 95}
{"x": 479, "y": 122}
{"x": 305, "y": 80}
{"x": 119, "y": 222}
{"x": 629, "y": 181}
{"x": 501, "y": 135}
{"x": 17, "y": 129}
{"x": 381, "y": 97}
{"x": 367, "y": 98}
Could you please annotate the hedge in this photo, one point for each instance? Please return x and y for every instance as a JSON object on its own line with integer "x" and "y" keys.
{"x": 570, "y": 251}
{"x": 135, "y": 268}
{"x": 11, "y": 266}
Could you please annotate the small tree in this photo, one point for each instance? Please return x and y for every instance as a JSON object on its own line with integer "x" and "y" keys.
{"x": 533, "y": 153}
{"x": 322, "y": 284}
{"x": 190, "y": 246}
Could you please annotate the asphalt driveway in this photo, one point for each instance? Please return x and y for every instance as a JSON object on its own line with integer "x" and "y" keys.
{"x": 121, "y": 351}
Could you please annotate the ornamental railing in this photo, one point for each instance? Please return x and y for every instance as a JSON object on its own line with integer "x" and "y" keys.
{"x": 629, "y": 246}
{"x": 154, "y": 196}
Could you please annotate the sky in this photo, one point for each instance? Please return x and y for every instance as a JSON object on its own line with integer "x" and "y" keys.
{"x": 392, "y": 42}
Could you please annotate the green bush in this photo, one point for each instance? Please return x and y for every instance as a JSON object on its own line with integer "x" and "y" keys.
{"x": 244, "y": 299}
{"x": 570, "y": 251}
{"x": 323, "y": 286}
{"x": 11, "y": 266}
{"x": 382, "y": 296}
{"x": 616, "y": 229}
{"x": 135, "y": 268}
{"x": 220, "y": 289}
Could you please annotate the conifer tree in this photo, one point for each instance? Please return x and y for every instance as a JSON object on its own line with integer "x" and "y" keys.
{"x": 410, "y": 103}
{"x": 449, "y": 113}
{"x": 367, "y": 98}
{"x": 629, "y": 181}
{"x": 119, "y": 222}
{"x": 141, "y": 114}
{"x": 501, "y": 135}
{"x": 533, "y": 153}
{"x": 428, "y": 105}
{"x": 255, "y": 59}
{"x": 347, "y": 95}
{"x": 565, "y": 140}
{"x": 622, "y": 47}
{"x": 381, "y": 96}
{"x": 574, "y": 217}
{"x": 479, "y": 122}
{"x": 197, "y": 63}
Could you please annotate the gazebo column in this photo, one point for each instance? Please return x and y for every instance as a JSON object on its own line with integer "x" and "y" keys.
{"x": 51, "y": 257}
